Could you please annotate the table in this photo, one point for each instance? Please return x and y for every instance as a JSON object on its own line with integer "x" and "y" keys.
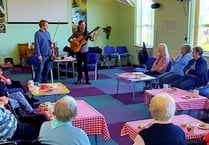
{"x": 132, "y": 128}
{"x": 133, "y": 78}
{"x": 88, "y": 118}
{"x": 6, "y": 66}
{"x": 181, "y": 103}
{"x": 51, "y": 89}
{"x": 65, "y": 60}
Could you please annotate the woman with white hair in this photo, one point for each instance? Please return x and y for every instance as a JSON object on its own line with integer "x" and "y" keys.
{"x": 161, "y": 131}
{"x": 60, "y": 131}
{"x": 161, "y": 62}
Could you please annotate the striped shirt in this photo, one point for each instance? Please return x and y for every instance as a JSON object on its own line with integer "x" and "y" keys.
{"x": 8, "y": 124}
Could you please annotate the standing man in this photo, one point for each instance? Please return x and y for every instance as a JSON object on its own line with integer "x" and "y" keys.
{"x": 81, "y": 55}
{"x": 43, "y": 51}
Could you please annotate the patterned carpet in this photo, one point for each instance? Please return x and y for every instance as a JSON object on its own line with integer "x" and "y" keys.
{"x": 102, "y": 95}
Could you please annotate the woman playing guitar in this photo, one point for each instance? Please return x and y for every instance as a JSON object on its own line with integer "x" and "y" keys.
{"x": 79, "y": 44}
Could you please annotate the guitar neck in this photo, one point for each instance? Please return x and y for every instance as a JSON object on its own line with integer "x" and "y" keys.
{"x": 95, "y": 29}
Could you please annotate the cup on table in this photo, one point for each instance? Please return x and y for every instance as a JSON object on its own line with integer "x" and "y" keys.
{"x": 165, "y": 86}
{"x": 65, "y": 54}
{"x": 190, "y": 128}
{"x": 30, "y": 83}
{"x": 50, "y": 108}
{"x": 195, "y": 93}
{"x": 36, "y": 89}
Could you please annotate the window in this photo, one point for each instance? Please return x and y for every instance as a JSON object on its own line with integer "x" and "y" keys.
{"x": 144, "y": 15}
{"x": 201, "y": 25}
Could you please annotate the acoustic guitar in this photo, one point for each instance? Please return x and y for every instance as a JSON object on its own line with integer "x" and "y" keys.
{"x": 77, "y": 43}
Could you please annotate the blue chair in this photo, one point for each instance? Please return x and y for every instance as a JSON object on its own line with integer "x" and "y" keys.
{"x": 92, "y": 64}
{"x": 123, "y": 53}
{"x": 169, "y": 66}
{"x": 204, "y": 91}
{"x": 109, "y": 51}
{"x": 148, "y": 65}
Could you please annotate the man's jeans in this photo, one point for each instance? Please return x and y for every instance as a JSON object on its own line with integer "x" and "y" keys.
{"x": 42, "y": 70}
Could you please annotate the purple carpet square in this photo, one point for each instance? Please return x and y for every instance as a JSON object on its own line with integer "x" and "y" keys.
{"x": 115, "y": 114}
{"x": 127, "y": 98}
{"x": 77, "y": 86}
{"x": 100, "y": 76}
{"x": 90, "y": 91}
{"x": 115, "y": 130}
{"x": 127, "y": 68}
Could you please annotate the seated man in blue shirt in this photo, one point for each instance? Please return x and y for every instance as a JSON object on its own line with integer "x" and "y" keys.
{"x": 195, "y": 72}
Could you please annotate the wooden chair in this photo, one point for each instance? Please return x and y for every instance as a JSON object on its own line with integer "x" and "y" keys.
{"x": 22, "y": 48}
{"x": 23, "y": 56}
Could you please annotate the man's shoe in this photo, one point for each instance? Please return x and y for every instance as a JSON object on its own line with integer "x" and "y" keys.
{"x": 88, "y": 83}
{"x": 77, "y": 82}
{"x": 34, "y": 100}
{"x": 33, "y": 112}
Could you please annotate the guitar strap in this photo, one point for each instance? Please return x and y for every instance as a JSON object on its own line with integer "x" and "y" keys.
{"x": 86, "y": 35}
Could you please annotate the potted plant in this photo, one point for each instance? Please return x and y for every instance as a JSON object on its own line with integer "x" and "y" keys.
{"x": 107, "y": 30}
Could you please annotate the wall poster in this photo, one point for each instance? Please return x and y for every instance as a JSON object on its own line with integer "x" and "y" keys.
{"x": 2, "y": 17}
{"x": 79, "y": 12}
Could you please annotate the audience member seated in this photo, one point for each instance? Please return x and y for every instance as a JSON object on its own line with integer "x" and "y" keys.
{"x": 11, "y": 86}
{"x": 26, "y": 128}
{"x": 161, "y": 62}
{"x": 195, "y": 72}
{"x": 178, "y": 66}
{"x": 15, "y": 86}
{"x": 161, "y": 131}
{"x": 60, "y": 130}
{"x": 17, "y": 101}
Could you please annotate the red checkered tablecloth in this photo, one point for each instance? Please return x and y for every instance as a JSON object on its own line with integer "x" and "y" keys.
{"x": 181, "y": 103}
{"x": 132, "y": 128}
{"x": 88, "y": 118}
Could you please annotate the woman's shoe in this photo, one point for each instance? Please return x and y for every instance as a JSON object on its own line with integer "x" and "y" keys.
{"x": 34, "y": 100}
{"x": 77, "y": 82}
{"x": 88, "y": 83}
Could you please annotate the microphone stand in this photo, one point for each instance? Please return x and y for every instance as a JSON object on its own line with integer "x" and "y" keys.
{"x": 53, "y": 54}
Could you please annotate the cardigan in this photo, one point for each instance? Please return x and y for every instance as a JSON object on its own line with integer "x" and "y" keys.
{"x": 163, "y": 134}
{"x": 200, "y": 72}
{"x": 160, "y": 64}
{"x": 8, "y": 124}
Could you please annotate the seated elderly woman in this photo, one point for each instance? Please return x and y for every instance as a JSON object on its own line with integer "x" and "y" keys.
{"x": 10, "y": 85}
{"x": 26, "y": 128}
{"x": 17, "y": 101}
{"x": 161, "y": 131}
{"x": 60, "y": 130}
{"x": 161, "y": 62}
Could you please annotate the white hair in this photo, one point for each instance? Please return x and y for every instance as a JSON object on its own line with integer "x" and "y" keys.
{"x": 165, "y": 49}
{"x": 162, "y": 107}
{"x": 65, "y": 109}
